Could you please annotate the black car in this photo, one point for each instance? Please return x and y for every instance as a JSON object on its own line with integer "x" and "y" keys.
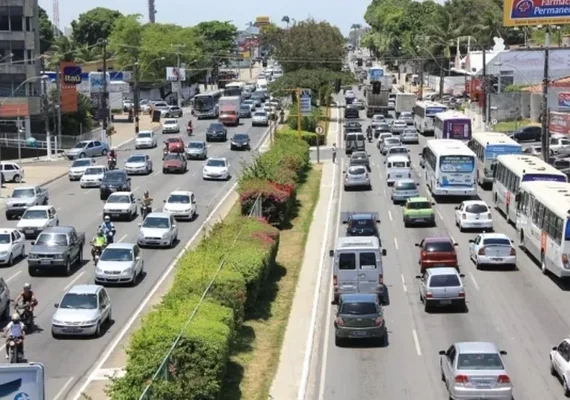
{"x": 527, "y": 134}
{"x": 361, "y": 224}
{"x": 351, "y": 111}
{"x": 240, "y": 141}
{"x": 116, "y": 180}
{"x": 360, "y": 158}
{"x": 216, "y": 131}
{"x": 245, "y": 111}
{"x": 353, "y": 126}
{"x": 381, "y": 127}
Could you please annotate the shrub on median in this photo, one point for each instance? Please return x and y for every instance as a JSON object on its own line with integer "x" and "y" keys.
{"x": 309, "y": 137}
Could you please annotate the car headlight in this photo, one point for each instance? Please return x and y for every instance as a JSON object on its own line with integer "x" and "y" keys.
{"x": 128, "y": 271}
{"x": 32, "y": 256}
{"x": 103, "y": 186}
{"x": 91, "y": 322}
{"x": 57, "y": 322}
{"x": 165, "y": 235}
{"x": 98, "y": 270}
{"x": 3, "y": 253}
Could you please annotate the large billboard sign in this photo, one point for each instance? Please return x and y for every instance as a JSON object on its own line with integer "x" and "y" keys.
{"x": 536, "y": 12}
{"x": 68, "y": 88}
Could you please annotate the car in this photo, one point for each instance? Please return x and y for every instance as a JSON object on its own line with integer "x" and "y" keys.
{"x": 158, "y": 229}
{"x": 398, "y": 126}
{"x": 181, "y": 204}
{"x": 12, "y": 247}
{"x": 352, "y": 126}
{"x": 240, "y": 141}
{"x": 119, "y": 263}
{"x": 83, "y": 311}
{"x": 560, "y": 164}
{"x": 534, "y": 151}
{"x": 359, "y": 103}
{"x": 172, "y": 112}
{"x": 11, "y": 172}
{"x": 197, "y": 150}
{"x": 531, "y": 133}
{"x": 398, "y": 151}
{"x": 381, "y": 127}
{"x": 93, "y": 176}
{"x": 171, "y": 126}
{"x": 216, "y": 131}
{"x": 357, "y": 177}
{"x": 377, "y": 118}
{"x": 159, "y": 106}
{"x": 229, "y": 117}
{"x": 146, "y": 140}
{"x": 407, "y": 117}
{"x": 87, "y": 148}
{"x": 351, "y": 111}
{"x": 174, "y": 162}
{"x": 409, "y": 135}
{"x": 442, "y": 287}
{"x": 114, "y": 181}
{"x": 361, "y": 224}
{"x": 138, "y": 164}
{"x": 560, "y": 145}
{"x": 493, "y": 249}
{"x": 359, "y": 316}
{"x": 78, "y": 167}
{"x": 121, "y": 205}
{"x": 360, "y": 158}
{"x": 418, "y": 210}
{"x": 257, "y": 99}
{"x": 175, "y": 145}
{"x": 475, "y": 370}
{"x": 260, "y": 118}
{"x": 217, "y": 168}
{"x": 437, "y": 251}
{"x": 244, "y": 111}
{"x": 388, "y": 143}
{"x": 404, "y": 189}
{"x": 473, "y": 214}
{"x": 268, "y": 109}
{"x": 250, "y": 103}
{"x": 560, "y": 364}
{"x": 36, "y": 219}
{"x": 383, "y": 136}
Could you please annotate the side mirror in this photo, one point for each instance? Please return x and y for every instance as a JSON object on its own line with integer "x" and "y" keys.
{"x": 384, "y": 162}
{"x": 455, "y": 244}
{"x": 175, "y": 226}
{"x": 331, "y": 253}
{"x": 164, "y": 201}
{"x": 433, "y": 204}
{"x": 442, "y": 353}
{"x": 418, "y": 277}
{"x": 420, "y": 154}
{"x": 56, "y": 305}
{"x": 344, "y": 172}
{"x": 33, "y": 243}
{"x": 377, "y": 221}
{"x": 457, "y": 207}
{"x": 471, "y": 241}
{"x": 138, "y": 258}
{"x": 368, "y": 155}
{"x": 503, "y": 352}
{"x": 345, "y": 222}
{"x": 417, "y": 245}
{"x": 384, "y": 252}
{"x": 139, "y": 224}
{"x": 555, "y": 348}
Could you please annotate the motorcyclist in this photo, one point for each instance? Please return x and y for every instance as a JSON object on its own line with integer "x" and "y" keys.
{"x": 108, "y": 229}
{"x": 112, "y": 157}
{"x": 28, "y": 297}
{"x": 369, "y": 135}
{"x": 15, "y": 330}
{"x": 146, "y": 202}
{"x": 98, "y": 242}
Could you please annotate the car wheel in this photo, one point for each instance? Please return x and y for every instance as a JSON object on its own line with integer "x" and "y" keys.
{"x": 67, "y": 267}
{"x": 426, "y": 306}
{"x": 79, "y": 257}
{"x": 163, "y": 171}
{"x": 82, "y": 155}
{"x": 97, "y": 331}
{"x": 339, "y": 342}
{"x": 17, "y": 179}
{"x": 10, "y": 260}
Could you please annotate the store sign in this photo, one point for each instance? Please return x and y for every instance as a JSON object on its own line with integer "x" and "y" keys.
{"x": 72, "y": 74}
{"x": 536, "y": 12}
{"x": 559, "y": 122}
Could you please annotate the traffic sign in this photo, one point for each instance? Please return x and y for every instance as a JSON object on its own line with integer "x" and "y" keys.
{"x": 494, "y": 121}
{"x": 319, "y": 130}
{"x": 305, "y": 102}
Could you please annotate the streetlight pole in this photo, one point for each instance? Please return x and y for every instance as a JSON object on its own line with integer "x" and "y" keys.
{"x": 104, "y": 108}
{"x": 545, "y": 140}
{"x": 136, "y": 105}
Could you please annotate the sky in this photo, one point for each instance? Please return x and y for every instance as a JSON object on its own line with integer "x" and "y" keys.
{"x": 341, "y": 13}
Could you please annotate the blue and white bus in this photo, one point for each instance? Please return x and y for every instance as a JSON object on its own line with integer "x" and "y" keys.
{"x": 205, "y": 105}
{"x": 424, "y": 114}
{"x": 488, "y": 146}
{"x": 450, "y": 168}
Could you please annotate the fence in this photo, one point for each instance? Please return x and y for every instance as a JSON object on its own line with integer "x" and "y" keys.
{"x": 163, "y": 371}
{"x": 67, "y": 142}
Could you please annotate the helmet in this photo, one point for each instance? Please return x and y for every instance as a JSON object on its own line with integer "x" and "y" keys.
{"x": 107, "y": 218}
{"x": 146, "y": 193}
{"x": 100, "y": 232}
{"x": 27, "y": 286}
{"x": 15, "y": 317}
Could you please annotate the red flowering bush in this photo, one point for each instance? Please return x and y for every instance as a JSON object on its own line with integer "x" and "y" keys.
{"x": 276, "y": 200}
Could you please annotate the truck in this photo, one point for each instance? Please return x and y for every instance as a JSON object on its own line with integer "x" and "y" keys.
{"x": 405, "y": 102}
{"x": 24, "y": 197}
{"x": 57, "y": 248}
{"x": 376, "y": 103}
{"x": 229, "y": 107}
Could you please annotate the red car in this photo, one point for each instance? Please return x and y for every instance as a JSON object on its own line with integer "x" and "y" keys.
{"x": 174, "y": 162}
{"x": 229, "y": 118}
{"x": 175, "y": 145}
{"x": 437, "y": 251}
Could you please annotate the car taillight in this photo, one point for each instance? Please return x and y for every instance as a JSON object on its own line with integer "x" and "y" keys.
{"x": 564, "y": 258}
{"x": 429, "y": 295}
{"x": 340, "y": 321}
{"x": 461, "y": 379}
{"x": 379, "y": 321}
{"x": 481, "y": 251}
{"x": 503, "y": 379}
{"x": 514, "y": 253}
{"x": 489, "y": 215}
{"x": 461, "y": 293}
{"x": 463, "y": 216}
{"x": 335, "y": 280}
{"x": 380, "y": 280}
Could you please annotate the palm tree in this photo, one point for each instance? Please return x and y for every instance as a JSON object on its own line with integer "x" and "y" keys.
{"x": 488, "y": 28}
{"x": 87, "y": 53}
{"x": 63, "y": 49}
{"x": 286, "y": 19}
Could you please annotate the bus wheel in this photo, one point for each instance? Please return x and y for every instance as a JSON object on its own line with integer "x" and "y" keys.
{"x": 521, "y": 240}
{"x": 543, "y": 264}
{"x": 507, "y": 215}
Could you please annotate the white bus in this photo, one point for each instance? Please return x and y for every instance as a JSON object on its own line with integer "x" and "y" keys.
{"x": 424, "y": 113}
{"x": 543, "y": 224}
{"x": 488, "y": 146}
{"x": 206, "y": 105}
{"x": 233, "y": 89}
{"x": 452, "y": 125}
{"x": 513, "y": 169}
{"x": 450, "y": 168}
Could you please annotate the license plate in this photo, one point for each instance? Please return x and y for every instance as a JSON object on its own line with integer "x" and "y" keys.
{"x": 439, "y": 265}
{"x": 398, "y": 176}
{"x": 113, "y": 189}
{"x": 445, "y": 302}
{"x": 359, "y": 333}
{"x": 420, "y": 219}
{"x": 29, "y": 231}
{"x": 116, "y": 215}
{"x": 72, "y": 330}
{"x": 497, "y": 259}
{"x": 45, "y": 262}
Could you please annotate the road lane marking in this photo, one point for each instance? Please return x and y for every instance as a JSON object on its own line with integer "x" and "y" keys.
{"x": 137, "y": 188}
{"x": 87, "y": 191}
{"x": 474, "y": 281}
{"x": 70, "y": 284}
{"x": 417, "y": 342}
{"x": 13, "y": 277}
{"x": 404, "y": 284}
{"x": 123, "y": 238}
{"x": 390, "y": 215}
{"x": 156, "y": 173}
{"x": 440, "y": 216}
{"x": 385, "y": 193}
{"x": 63, "y": 389}
{"x": 395, "y": 242}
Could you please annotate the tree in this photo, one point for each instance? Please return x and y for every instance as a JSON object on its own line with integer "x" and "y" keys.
{"x": 93, "y": 25}
{"x": 286, "y": 19}
{"x": 63, "y": 49}
{"x": 315, "y": 79}
{"x": 47, "y": 31}
{"x": 126, "y": 38}
{"x": 74, "y": 123}
{"x": 216, "y": 38}
{"x": 270, "y": 37}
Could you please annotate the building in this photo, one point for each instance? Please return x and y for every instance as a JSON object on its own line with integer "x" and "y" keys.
{"x": 20, "y": 64}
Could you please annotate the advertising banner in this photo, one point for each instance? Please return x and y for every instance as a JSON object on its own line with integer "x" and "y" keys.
{"x": 174, "y": 74}
{"x": 564, "y": 100}
{"x": 559, "y": 122}
{"x": 72, "y": 75}
{"x": 68, "y": 90}
{"x": 536, "y": 12}
{"x": 457, "y": 129}
{"x": 305, "y": 102}
{"x": 11, "y": 110}
{"x": 96, "y": 82}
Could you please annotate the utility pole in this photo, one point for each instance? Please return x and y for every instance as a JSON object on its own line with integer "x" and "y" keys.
{"x": 441, "y": 80}
{"x": 483, "y": 85}
{"x": 104, "y": 107}
{"x": 178, "y": 82}
{"x": 421, "y": 96}
{"x": 58, "y": 79}
{"x": 299, "y": 119}
{"x": 136, "y": 98}
{"x": 545, "y": 139}
{"x": 45, "y": 107}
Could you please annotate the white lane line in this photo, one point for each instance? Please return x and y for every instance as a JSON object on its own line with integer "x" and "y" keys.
{"x": 13, "y": 277}
{"x": 87, "y": 191}
{"x": 385, "y": 193}
{"x": 57, "y": 209}
{"x": 395, "y": 242}
{"x": 123, "y": 238}
{"x": 137, "y": 188}
{"x": 438, "y": 213}
{"x": 474, "y": 281}
{"x": 156, "y": 173}
{"x": 417, "y": 342}
{"x": 63, "y": 389}
{"x": 404, "y": 284}
{"x": 70, "y": 284}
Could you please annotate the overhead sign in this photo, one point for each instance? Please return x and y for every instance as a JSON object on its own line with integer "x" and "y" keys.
{"x": 72, "y": 74}
{"x": 305, "y": 102}
{"x": 536, "y": 12}
{"x": 564, "y": 100}
{"x": 22, "y": 381}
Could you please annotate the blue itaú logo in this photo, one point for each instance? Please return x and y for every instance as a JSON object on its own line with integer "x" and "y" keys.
{"x": 22, "y": 396}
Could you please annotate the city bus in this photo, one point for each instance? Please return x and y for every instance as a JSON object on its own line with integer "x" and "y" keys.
{"x": 543, "y": 224}
{"x": 206, "y": 105}
{"x": 452, "y": 125}
{"x": 488, "y": 146}
{"x": 513, "y": 169}
{"x": 450, "y": 168}
{"x": 234, "y": 89}
{"x": 424, "y": 113}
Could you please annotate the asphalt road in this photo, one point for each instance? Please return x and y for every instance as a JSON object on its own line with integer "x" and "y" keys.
{"x": 522, "y": 311}
{"x": 67, "y": 361}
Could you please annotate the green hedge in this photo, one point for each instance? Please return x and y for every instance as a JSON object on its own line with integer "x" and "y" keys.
{"x": 309, "y": 137}
{"x": 308, "y": 123}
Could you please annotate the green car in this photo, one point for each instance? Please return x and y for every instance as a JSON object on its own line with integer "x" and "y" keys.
{"x": 419, "y": 210}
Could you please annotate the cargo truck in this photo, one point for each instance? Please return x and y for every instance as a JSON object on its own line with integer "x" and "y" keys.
{"x": 229, "y": 110}
{"x": 376, "y": 103}
{"x": 405, "y": 102}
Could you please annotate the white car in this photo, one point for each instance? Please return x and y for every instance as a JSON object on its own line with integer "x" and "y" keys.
{"x": 378, "y": 118}
{"x": 11, "y": 171}
{"x": 409, "y": 135}
{"x": 158, "y": 229}
{"x": 216, "y": 168}
{"x": 383, "y": 136}
{"x": 121, "y": 205}
{"x": 260, "y": 118}
{"x": 492, "y": 249}
{"x": 92, "y": 177}
{"x": 146, "y": 140}
{"x": 398, "y": 126}
{"x": 138, "y": 164}
{"x": 560, "y": 364}
{"x": 171, "y": 126}
{"x": 12, "y": 246}
{"x": 36, "y": 219}
{"x": 78, "y": 167}
{"x": 119, "y": 263}
{"x": 181, "y": 204}
{"x": 473, "y": 214}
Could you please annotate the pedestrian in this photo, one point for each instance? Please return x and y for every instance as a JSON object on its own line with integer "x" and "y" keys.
{"x": 334, "y": 152}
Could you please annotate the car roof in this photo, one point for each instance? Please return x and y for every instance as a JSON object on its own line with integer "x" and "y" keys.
{"x": 159, "y": 214}
{"x": 241, "y": 133}
{"x": 397, "y": 158}
{"x": 472, "y": 202}
{"x": 7, "y": 230}
{"x": 476, "y": 347}
{"x": 197, "y": 141}
{"x": 359, "y": 297}
{"x": 85, "y": 289}
{"x": 136, "y": 155}
{"x": 58, "y": 229}
{"x": 495, "y": 235}
{"x": 407, "y": 180}
{"x": 121, "y": 245}
{"x": 356, "y": 167}
{"x": 84, "y": 159}
{"x": 180, "y": 193}
{"x": 218, "y": 158}
{"x": 437, "y": 239}
{"x": 145, "y": 132}
{"x": 120, "y": 194}
{"x": 442, "y": 271}
{"x": 399, "y": 121}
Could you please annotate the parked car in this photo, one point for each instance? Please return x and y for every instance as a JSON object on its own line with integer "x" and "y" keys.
{"x": 359, "y": 316}
{"x": 529, "y": 133}
{"x": 492, "y": 249}
{"x": 442, "y": 287}
{"x": 11, "y": 172}
{"x": 174, "y": 162}
{"x": 87, "y": 148}
{"x": 437, "y": 251}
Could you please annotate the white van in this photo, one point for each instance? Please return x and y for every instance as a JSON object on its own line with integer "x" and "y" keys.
{"x": 397, "y": 167}
{"x": 261, "y": 84}
{"x": 357, "y": 266}
{"x": 354, "y": 142}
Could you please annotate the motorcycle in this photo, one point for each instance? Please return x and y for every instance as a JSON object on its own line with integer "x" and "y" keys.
{"x": 26, "y": 315}
{"x": 97, "y": 250}
{"x": 369, "y": 137}
{"x": 15, "y": 354}
{"x": 189, "y": 130}
{"x": 112, "y": 163}
{"x": 145, "y": 210}
{"x": 109, "y": 235}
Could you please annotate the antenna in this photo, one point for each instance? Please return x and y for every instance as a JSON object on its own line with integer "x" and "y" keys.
{"x": 56, "y": 17}
{"x": 151, "y": 11}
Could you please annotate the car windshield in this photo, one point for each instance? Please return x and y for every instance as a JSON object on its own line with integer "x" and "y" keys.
{"x": 136, "y": 159}
{"x": 172, "y": 157}
{"x": 357, "y": 171}
{"x": 405, "y": 115}
{"x": 81, "y": 163}
{"x": 203, "y": 103}
{"x": 399, "y": 150}
{"x": 405, "y": 185}
{"x": 80, "y": 145}
{"x": 170, "y": 122}
{"x": 439, "y": 247}
{"x": 391, "y": 141}
{"x": 52, "y": 239}
{"x": 119, "y": 198}
{"x": 114, "y": 177}
{"x": 5, "y": 238}
{"x": 419, "y": 205}
{"x": 216, "y": 127}
{"x": 363, "y": 223}
{"x": 358, "y": 308}
{"x": 409, "y": 132}
{"x": 94, "y": 171}
{"x": 496, "y": 242}
{"x": 117, "y": 255}
{"x": 179, "y": 199}
{"x": 476, "y": 208}
{"x": 35, "y": 214}
{"x": 245, "y": 107}
{"x": 444, "y": 281}
{"x": 359, "y": 155}
{"x": 22, "y": 193}
{"x": 216, "y": 163}
{"x": 79, "y": 301}
{"x": 259, "y": 114}
{"x": 238, "y": 136}
{"x": 145, "y": 135}
{"x": 480, "y": 361}
{"x": 156, "y": 222}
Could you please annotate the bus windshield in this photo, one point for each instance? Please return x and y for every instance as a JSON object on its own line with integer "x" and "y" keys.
{"x": 203, "y": 103}
{"x": 457, "y": 164}
{"x": 232, "y": 91}
{"x": 492, "y": 151}
{"x": 543, "y": 178}
{"x": 431, "y": 111}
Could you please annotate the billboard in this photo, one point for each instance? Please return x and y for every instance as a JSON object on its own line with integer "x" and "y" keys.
{"x": 22, "y": 382}
{"x": 72, "y": 75}
{"x": 174, "y": 74}
{"x": 564, "y": 100}
{"x": 68, "y": 91}
{"x": 10, "y": 110}
{"x": 536, "y": 12}
{"x": 260, "y": 21}
{"x": 96, "y": 82}
{"x": 559, "y": 122}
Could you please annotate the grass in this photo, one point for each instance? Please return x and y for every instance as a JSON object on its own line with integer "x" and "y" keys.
{"x": 510, "y": 126}
{"x": 255, "y": 358}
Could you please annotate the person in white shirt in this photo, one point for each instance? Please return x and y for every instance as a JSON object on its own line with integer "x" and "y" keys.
{"x": 15, "y": 329}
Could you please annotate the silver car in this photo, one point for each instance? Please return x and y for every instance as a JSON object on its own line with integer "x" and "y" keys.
{"x": 158, "y": 229}
{"x": 398, "y": 126}
{"x": 138, "y": 164}
{"x": 389, "y": 143}
{"x": 172, "y": 112}
{"x": 409, "y": 135}
{"x": 260, "y": 118}
{"x": 83, "y": 311}
{"x": 357, "y": 177}
{"x": 146, "y": 140}
{"x": 407, "y": 117}
{"x": 120, "y": 263}
{"x": 403, "y": 190}
{"x": 87, "y": 148}
{"x": 78, "y": 168}
{"x": 475, "y": 370}
{"x": 442, "y": 286}
{"x": 196, "y": 150}
{"x": 171, "y": 126}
